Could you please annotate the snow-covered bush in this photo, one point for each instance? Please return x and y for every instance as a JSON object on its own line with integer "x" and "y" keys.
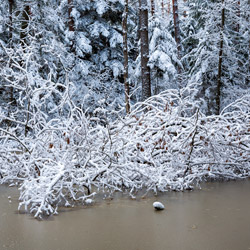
{"x": 166, "y": 143}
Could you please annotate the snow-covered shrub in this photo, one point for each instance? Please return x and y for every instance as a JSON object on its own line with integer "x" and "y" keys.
{"x": 165, "y": 146}
{"x": 166, "y": 143}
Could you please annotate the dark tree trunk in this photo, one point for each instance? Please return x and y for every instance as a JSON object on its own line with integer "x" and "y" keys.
{"x": 237, "y": 28}
{"x": 219, "y": 82}
{"x": 11, "y": 90}
{"x": 125, "y": 55}
{"x": 71, "y": 23}
{"x": 24, "y": 25}
{"x": 248, "y": 75}
{"x": 176, "y": 27}
{"x": 11, "y": 2}
{"x": 70, "y": 20}
{"x": 152, "y": 7}
{"x": 145, "y": 70}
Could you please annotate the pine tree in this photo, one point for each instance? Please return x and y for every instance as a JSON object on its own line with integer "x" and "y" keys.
{"x": 217, "y": 62}
{"x": 163, "y": 59}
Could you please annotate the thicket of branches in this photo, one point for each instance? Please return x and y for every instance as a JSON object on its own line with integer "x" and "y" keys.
{"x": 166, "y": 143}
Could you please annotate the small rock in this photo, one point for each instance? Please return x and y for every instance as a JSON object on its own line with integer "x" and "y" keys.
{"x": 88, "y": 201}
{"x": 158, "y": 205}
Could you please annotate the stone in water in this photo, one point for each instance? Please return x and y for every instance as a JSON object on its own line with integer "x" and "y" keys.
{"x": 88, "y": 201}
{"x": 158, "y": 205}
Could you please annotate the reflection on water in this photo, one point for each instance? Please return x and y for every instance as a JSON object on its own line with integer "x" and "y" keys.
{"x": 214, "y": 218}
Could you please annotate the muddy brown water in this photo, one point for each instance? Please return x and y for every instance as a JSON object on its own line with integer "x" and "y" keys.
{"x": 214, "y": 218}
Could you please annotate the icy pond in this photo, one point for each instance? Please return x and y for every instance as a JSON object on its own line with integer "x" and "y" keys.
{"x": 214, "y": 218}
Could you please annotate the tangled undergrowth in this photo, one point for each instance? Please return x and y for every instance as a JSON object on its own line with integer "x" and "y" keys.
{"x": 165, "y": 143}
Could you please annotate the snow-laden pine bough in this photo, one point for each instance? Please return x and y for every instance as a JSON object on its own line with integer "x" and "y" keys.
{"x": 164, "y": 144}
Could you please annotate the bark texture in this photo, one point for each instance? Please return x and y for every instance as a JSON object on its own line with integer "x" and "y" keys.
{"x": 219, "y": 82}
{"x": 152, "y": 7}
{"x": 125, "y": 55}
{"x": 11, "y": 3}
{"x": 145, "y": 70}
{"x": 169, "y": 7}
{"x": 162, "y": 8}
{"x": 71, "y": 20}
{"x": 237, "y": 28}
{"x": 176, "y": 26}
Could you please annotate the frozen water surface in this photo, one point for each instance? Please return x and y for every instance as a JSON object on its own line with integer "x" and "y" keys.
{"x": 216, "y": 217}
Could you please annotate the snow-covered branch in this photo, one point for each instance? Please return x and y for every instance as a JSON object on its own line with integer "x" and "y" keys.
{"x": 162, "y": 145}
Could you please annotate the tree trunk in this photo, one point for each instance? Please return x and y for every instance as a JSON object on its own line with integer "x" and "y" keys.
{"x": 152, "y": 8}
{"x": 219, "y": 83}
{"x": 185, "y": 12}
{"x": 24, "y": 25}
{"x": 11, "y": 90}
{"x": 145, "y": 70}
{"x": 70, "y": 20}
{"x": 248, "y": 74}
{"x": 125, "y": 55}
{"x": 162, "y": 8}
{"x": 176, "y": 27}
{"x": 169, "y": 7}
{"x": 237, "y": 28}
{"x": 11, "y": 22}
